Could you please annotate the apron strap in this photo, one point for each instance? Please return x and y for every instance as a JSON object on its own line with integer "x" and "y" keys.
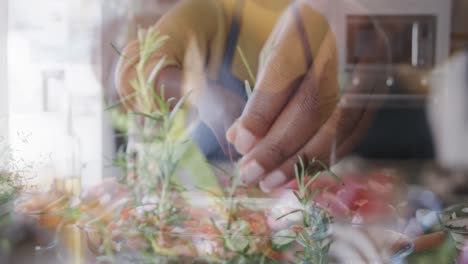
{"x": 226, "y": 78}
{"x": 202, "y": 134}
{"x": 303, "y": 34}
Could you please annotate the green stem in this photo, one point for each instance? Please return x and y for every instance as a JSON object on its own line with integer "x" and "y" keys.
{"x": 246, "y": 64}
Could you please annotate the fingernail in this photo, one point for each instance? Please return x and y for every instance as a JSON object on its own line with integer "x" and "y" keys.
{"x": 272, "y": 181}
{"x": 252, "y": 172}
{"x": 231, "y": 134}
{"x": 244, "y": 140}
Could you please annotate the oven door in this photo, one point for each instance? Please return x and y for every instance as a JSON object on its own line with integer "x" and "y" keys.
{"x": 383, "y": 45}
{"x": 408, "y": 40}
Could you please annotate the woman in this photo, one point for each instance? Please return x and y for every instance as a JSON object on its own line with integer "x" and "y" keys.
{"x": 294, "y": 109}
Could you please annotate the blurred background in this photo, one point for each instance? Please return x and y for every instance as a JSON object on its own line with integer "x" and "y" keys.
{"x": 58, "y": 57}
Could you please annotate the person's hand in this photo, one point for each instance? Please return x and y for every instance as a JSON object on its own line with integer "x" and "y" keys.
{"x": 197, "y": 21}
{"x": 295, "y": 108}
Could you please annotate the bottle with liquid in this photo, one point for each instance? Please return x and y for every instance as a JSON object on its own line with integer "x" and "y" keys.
{"x": 68, "y": 179}
{"x": 132, "y": 149}
{"x": 67, "y": 182}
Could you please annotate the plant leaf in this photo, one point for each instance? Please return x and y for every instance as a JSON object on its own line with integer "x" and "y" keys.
{"x": 157, "y": 68}
{"x": 296, "y": 173}
{"x": 162, "y": 105}
{"x": 301, "y": 162}
{"x": 116, "y": 50}
{"x": 283, "y": 237}
{"x": 120, "y": 102}
{"x": 246, "y": 64}
{"x": 290, "y": 213}
{"x": 312, "y": 179}
{"x": 297, "y": 194}
{"x": 248, "y": 88}
{"x": 179, "y": 105}
{"x": 158, "y": 118}
{"x": 325, "y": 167}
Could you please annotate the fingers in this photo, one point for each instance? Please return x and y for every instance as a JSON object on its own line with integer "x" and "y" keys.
{"x": 338, "y": 135}
{"x": 260, "y": 112}
{"x": 181, "y": 25}
{"x": 330, "y": 144}
{"x": 302, "y": 117}
{"x": 169, "y": 76}
{"x": 278, "y": 76}
{"x": 296, "y": 124}
{"x": 231, "y": 133}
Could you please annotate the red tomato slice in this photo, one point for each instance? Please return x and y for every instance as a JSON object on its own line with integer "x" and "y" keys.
{"x": 375, "y": 211}
{"x": 367, "y": 197}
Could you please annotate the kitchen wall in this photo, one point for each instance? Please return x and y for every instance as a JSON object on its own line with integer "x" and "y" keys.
{"x": 50, "y": 50}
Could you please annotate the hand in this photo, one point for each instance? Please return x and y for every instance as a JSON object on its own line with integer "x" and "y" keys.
{"x": 196, "y": 21}
{"x": 295, "y": 110}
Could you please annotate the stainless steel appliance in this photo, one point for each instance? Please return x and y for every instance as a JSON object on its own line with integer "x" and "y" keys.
{"x": 409, "y": 39}
{"x": 394, "y": 44}
{"x": 416, "y": 35}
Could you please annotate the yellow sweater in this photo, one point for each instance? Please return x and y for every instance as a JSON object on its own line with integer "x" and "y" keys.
{"x": 207, "y": 22}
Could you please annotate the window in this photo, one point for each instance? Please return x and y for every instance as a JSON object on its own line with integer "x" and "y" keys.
{"x": 50, "y": 66}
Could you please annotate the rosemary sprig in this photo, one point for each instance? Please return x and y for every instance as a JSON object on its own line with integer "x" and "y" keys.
{"x": 246, "y": 64}
{"x": 247, "y": 86}
{"x": 158, "y": 155}
{"x": 117, "y": 51}
{"x": 312, "y": 235}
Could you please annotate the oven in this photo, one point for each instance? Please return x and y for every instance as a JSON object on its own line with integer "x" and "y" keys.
{"x": 408, "y": 39}
{"x": 415, "y": 34}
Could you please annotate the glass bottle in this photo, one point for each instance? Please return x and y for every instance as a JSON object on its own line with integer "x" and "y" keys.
{"x": 69, "y": 162}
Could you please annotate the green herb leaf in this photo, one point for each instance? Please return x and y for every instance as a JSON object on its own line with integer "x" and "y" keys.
{"x": 248, "y": 88}
{"x": 155, "y": 117}
{"x": 283, "y": 237}
{"x": 246, "y": 64}
{"x": 290, "y": 213}
{"x": 179, "y": 105}
{"x": 121, "y": 102}
{"x": 325, "y": 167}
{"x": 114, "y": 47}
{"x": 157, "y": 68}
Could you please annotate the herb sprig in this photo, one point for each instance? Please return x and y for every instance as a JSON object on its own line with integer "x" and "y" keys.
{"x": 316, "y": 222}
